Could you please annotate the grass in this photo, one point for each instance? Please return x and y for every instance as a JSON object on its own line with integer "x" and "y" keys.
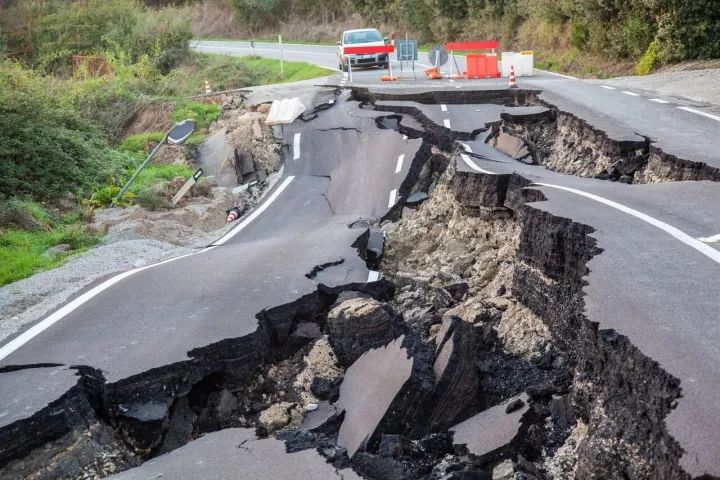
{"x": 228, "y": 73}
{"x": 30, "y": 231}
{"x": 156, "y": 173}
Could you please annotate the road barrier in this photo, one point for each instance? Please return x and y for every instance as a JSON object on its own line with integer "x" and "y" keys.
{"x": 478, "y": 65}
{"x": 207, "y": 87}
{"x": 522, "y": 61}
{"x": 371, "y": 50}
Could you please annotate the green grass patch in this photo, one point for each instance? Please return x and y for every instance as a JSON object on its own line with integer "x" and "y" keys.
{"x": 157, "y": 173}
{"x": 21, "y": 251}
{"x": 139, "y": 144}
{"x": 228, "y": 73}
{"x": 203, "y": 113}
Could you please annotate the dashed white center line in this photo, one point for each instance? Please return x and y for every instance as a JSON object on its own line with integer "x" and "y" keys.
{"x": 700, "y": 112}
{"x": 607, "y": 87}
{"x": 446, "y": 122}
{"x": 398, "y": 167}
{"x": 706, "y": 250}
{"x": 405, "y": 137}
{"x": 658, "y": 100}
{"x": 443, "y": 108}
{"x": 296, "y": 146}
{"x": 373, "y": 276}
{"x": 632, "y": 94}
{"x": 393, "y": 198}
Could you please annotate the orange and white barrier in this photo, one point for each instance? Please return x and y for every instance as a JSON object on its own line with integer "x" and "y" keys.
{"x": 511, "y": 82}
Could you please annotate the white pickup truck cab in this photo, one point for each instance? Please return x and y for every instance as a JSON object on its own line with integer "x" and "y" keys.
{"x": 366, "y": 37}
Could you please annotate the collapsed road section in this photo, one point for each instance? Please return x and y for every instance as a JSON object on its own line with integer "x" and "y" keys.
{"x": 509, "y": 338}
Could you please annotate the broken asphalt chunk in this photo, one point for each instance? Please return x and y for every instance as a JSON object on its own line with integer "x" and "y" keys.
{"x": 491, "y": 431}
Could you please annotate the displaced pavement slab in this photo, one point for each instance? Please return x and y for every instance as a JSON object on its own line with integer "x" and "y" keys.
{"x": 236, "y": 453}
{"x": 369, "y": 388}
{"x": 26, "y": 391}
{"x": 491, "y": 429}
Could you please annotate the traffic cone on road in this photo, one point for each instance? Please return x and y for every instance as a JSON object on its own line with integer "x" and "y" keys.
{"x": 233, "y": 214}
{"x": 207, "y": 87}
{"x": 512, "y": 83}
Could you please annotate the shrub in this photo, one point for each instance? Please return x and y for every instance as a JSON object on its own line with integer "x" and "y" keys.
{"x": 579, "y": 36}
{"x": 105, "y": 197}
{"x": 47, "y": 148}
{"x": 648, "y": 61}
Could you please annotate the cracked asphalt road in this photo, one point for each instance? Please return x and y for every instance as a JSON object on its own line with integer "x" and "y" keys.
{"x": 647, "y": 284}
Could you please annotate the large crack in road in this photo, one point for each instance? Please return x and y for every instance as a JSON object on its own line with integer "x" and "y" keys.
{"x": 477, "y": 356}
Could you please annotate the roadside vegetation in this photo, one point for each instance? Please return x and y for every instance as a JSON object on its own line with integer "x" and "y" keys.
{"x": 74, "y": 77}
{"x": 587, "y": 37}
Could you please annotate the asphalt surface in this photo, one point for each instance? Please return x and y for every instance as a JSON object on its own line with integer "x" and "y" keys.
{"x": 656, "y": 287}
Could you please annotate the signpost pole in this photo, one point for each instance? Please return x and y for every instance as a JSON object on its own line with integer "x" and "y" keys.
{"x": 282, "y": 69}
{"x": 141, "y": 167}
{"x": 350, "y": 67}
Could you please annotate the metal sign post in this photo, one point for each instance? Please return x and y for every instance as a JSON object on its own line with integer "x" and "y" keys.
{"x": 407, "y": 51}
{"x": 177, "y": 135}
{"x": 282, "y": 69}
{"x": 188, "y": 185}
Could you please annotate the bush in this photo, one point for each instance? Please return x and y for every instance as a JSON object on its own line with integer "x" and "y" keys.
{"x": 648, "y": 61}
{"x": 579, "y": 36}
{"x": 47, "y": 148}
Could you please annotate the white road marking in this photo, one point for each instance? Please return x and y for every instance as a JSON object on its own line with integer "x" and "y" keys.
{"x": 446, "y": 122}
{"x": 675, "y": 232}
{"x": 467, "y": 147}
{"x": 443, "y": 108}
{"x": 713, "y": 239}
{"x": 607, "y": 87}
{"x": 296, "y": 146}
{"x": 246, "y": 221}
{"x": 398, "y": 167}
{"x": 557, "y": 74}
{"x": 658, "y": 100}
{"x": 632, "y": 94}
{"x": 49, "y": 321}
{"x": 373, "y": 276}
{"x": 472, "y": 165}
{"x": 393, "y": 198}
{"x": 700, "y": 112}
{"x": 405, "y": 137}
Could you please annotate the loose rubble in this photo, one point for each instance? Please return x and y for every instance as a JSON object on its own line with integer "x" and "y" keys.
{"x": 470, "y": 359}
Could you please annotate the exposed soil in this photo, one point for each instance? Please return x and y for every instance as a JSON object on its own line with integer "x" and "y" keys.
{"x": 471, "y": 359}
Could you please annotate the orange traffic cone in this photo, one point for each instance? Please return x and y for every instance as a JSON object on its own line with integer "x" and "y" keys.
{"x": 512, "y": 83}
{"x": 233, "y": 214}
{"x": 207, "y": 87}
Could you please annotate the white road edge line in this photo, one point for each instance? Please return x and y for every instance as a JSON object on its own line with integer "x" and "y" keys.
{"x": 373, "y": 276}
{"x": 443, "y": 107}
{"x": 398, "y": 167}
{"x": 713, "y": 239}
{"x": 632, "y": 94}
{"x": 557, "y": 74}
{"x": 467, "y": 147}
{"x": 393, "y": 198}
{"x": 472, "y": 165}
{"x": 700, "y": 112}
{"x": 296, "y": 146}
{"x": 607, "y": 87}
{"x": 49, "y": 321}
{"x": 658, "y": 100}
{"x": 675, "y": 232}
{"x": 446, "y": 122}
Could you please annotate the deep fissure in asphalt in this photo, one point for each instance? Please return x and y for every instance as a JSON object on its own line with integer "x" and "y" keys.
{"x": 483, "y": 298}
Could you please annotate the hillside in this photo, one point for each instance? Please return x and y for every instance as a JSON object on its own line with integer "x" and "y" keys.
{"x": 587, "y": 37}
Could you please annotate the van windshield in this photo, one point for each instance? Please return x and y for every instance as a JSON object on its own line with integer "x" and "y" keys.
{"x": 362, "y": 37}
